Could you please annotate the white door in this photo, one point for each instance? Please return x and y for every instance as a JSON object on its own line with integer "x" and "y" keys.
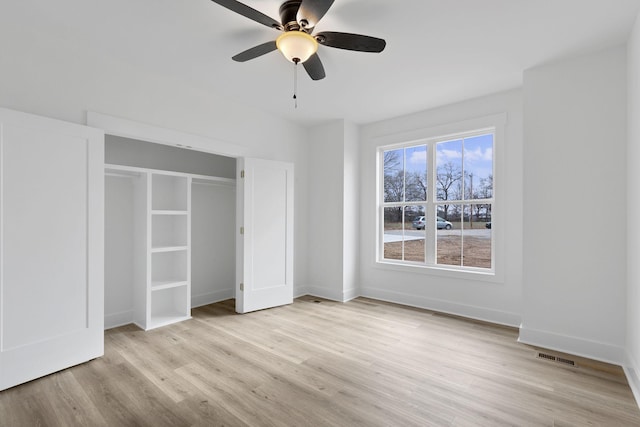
{"x": 51, "y": 246}
{"x": 265, "y": 246}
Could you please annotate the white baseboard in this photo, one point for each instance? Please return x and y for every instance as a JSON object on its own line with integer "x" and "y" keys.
{"x": 340, "y": 296}
{"x": 573, "y": 345}
{"x": 634, "y": 383}
{"x": 472, "y": 312}
{"x": 212, "y": 297}
{"x": 350, "y": 294}
{"x": 300, "y": 291}
{"x": 325, "y": 293}
{"x": 632, "y": 371}
{"x": 114, "y": 320}
{"x": 442, "y": 306}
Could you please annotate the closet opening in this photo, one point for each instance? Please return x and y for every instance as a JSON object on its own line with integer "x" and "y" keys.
{"x": 170, "y": 241}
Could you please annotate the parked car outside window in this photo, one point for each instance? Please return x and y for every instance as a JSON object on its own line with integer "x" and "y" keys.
{"x": 419, "y": 223}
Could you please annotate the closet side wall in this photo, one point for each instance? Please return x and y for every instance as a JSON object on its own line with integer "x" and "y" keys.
{"x": 119, "y": 251}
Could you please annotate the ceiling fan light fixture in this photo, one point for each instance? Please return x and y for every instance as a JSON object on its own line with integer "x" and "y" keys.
{"x": 296, "y": 46}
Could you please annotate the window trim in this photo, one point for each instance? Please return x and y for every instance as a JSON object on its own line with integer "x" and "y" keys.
{"x": 431, "y": 136}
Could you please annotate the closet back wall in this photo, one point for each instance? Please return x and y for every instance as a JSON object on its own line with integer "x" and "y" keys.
{"x": 212, "y": 223}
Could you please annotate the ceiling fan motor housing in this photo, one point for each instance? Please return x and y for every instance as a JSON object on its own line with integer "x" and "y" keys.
{"x": 289, "y": 15}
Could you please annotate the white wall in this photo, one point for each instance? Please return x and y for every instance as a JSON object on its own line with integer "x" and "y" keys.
{"x": 498, "y": 302}
{"x": 326, "y": 180}
{"x": 633, "y": 211}
{"x": 59, "y": 77}
{"x": 334, "y": 211}
{"x": 574, "y": 206}
{"x": 351, "y": 213}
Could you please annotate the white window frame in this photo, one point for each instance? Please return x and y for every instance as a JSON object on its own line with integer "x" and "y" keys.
{"x": 431, "y": 136}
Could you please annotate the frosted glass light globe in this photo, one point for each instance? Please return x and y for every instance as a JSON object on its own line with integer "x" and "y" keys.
{"x": 296, "y": 46}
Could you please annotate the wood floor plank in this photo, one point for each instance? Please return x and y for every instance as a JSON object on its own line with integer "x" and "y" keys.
{"x": 154, "y": 360}
{"x": 322, "y": 363}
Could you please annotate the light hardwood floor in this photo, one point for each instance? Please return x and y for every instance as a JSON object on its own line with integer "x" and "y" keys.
{"x": 317, "y": 363}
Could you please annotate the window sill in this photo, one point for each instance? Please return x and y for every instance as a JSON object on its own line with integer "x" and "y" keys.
{"x": 441, "y": 271}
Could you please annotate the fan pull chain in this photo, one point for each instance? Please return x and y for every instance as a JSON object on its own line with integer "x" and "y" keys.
{"x": 295, "y": 82}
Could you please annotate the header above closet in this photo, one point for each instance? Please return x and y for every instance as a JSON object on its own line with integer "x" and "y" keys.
{"x": 148, "y": 155}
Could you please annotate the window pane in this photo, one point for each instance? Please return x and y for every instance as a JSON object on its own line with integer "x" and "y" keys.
{"x": 393, "y": 241}
{"x": 477, "y": 236}
{"x": 414, "y": 234}
{"x": 449, "y": 235}
{"x": 416, "y": 173}
{"x": 450, "y": 213}
{"x": 404, "y": 240}
{"x": 478, "y": 167}
{"x": 449, "y": 170}
{"x": 393, "y": 175}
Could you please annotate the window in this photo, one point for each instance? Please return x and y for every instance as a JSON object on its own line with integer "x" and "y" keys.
{"x": 436, "y": 201}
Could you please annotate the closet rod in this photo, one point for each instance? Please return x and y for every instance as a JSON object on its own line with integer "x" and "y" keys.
{"x": 214, "y": 183}
{"x": 122, "y": 174}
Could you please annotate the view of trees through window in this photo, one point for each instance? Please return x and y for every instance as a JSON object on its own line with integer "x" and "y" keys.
{"x": 457, "y": 200}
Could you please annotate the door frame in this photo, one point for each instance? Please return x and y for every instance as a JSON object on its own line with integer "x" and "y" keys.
{"x": 117, "y": 126}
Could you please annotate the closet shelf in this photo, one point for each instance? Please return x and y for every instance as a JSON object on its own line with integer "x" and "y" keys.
{"x": 158, "y": 249}
{"x": 168, "y": 212}
{"x": 211, "y": 180}
{"x": 160, "y": 285}
{"x": 134, "y": 171}
{"x": 121, "y": 173}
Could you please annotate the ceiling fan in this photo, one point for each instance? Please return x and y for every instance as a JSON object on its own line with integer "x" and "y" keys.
{"x": 297, "y": 43}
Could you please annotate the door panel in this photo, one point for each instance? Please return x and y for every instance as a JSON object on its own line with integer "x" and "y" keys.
{"x": 51, "y": 252}
{"x": 268, "y": 227}
{"x": 266, "y": 248}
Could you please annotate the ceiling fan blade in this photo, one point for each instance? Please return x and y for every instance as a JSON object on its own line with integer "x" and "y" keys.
{"x": 349, "y": 41}
{"x": 311, "y": 11}
{"x": 249, "y": 12}
{"x": 314, "y": 67}
{"x": 255, "y": 52}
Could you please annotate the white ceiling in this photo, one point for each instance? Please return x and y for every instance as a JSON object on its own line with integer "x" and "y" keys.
{"x": 438, "y": 51}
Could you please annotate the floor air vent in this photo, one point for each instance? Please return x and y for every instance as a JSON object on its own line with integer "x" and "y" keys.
{"x": 557, "y": 359}
{"x": 546, "y": 356}
{"x": 566, "y": 361}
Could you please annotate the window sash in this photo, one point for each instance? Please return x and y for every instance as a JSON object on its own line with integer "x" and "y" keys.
{"x": 439, "y": 202}
{"x": 431, "y": 203}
